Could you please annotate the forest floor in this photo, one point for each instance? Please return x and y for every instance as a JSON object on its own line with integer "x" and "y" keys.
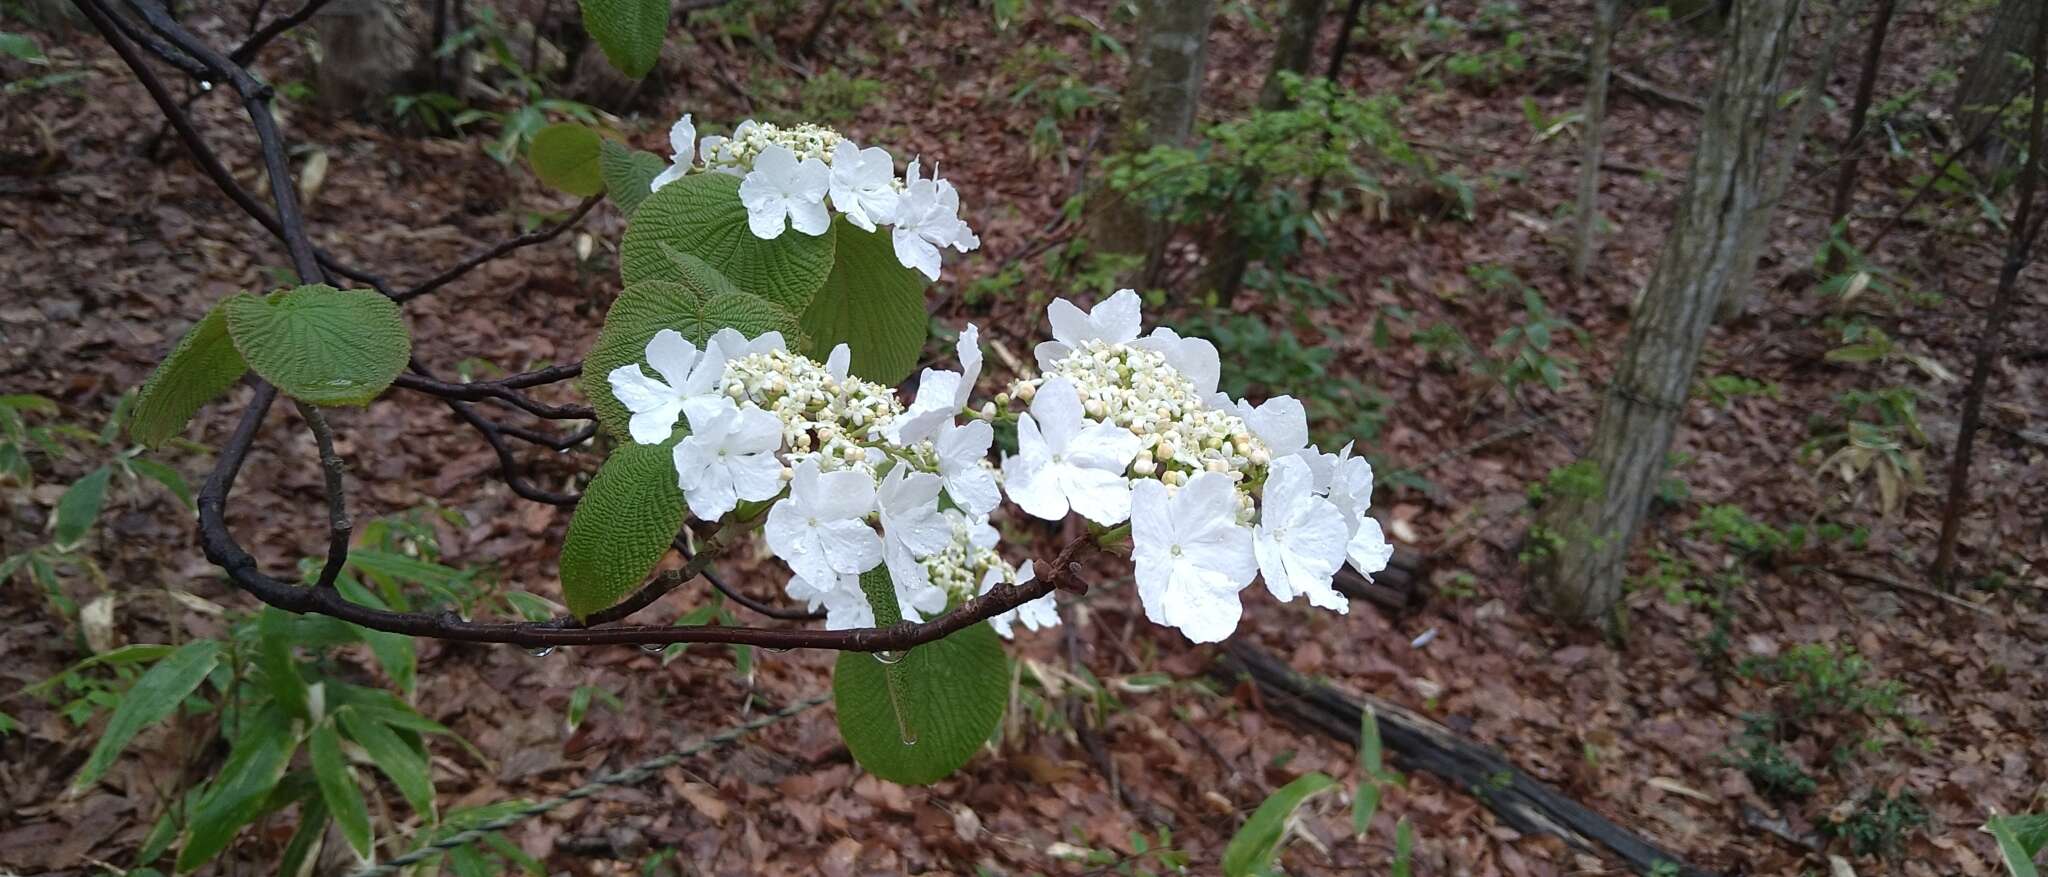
{"x": 110, "y": 251}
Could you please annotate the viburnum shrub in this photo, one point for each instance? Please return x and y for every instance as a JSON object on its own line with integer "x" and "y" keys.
{"x": 773, "y": 296}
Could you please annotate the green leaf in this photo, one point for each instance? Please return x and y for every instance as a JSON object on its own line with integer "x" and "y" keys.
{"x": 203, "y": 365}
{"x": 629, "y": 31}
{"x": 164, "y": 475}
{"x": 154, "y": 696}
{"x": 279, "y": 668}
{"x": 305, "y": 842}
{"x": 921, "y": 718}
{"x": 628, "y": 517}
{"x": 261, "y": 753}
{"x": 20, "y": 47}
{"x": 565, "y": 156}
{"x": 1251, "y": 851}
{"x": 319, "y": 344}
{"x": 338, "y": 787}
{"x": 80, "y": 506}
{"x": 397, "y": 759}
{"x": 871, "y": 303}
{"x": 395, "y": 652}
{"x": 700, "y": 303}
{"x": 1404, "y": 848}
{"x": 2020, "y": 838}
{"x": 628, "y": 173}
{"x": 701, "y": 215}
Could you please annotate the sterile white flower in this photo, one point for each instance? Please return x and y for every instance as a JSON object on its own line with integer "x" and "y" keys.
{"x": 1300, "y": 541}
{"x": 927, "y": 219}
{"x": 656, "y": 404}
{"x": 782, "y": 188}
{"x": 864, "y": 184}
{"x": 682, "y": 140}
{"x": 734, "y": 345}
{"x": 845, "y": 604}
{"x": 1194, "y": 357}
{"x": 1038, "y": 614}
{"x": 728, "y": 456}
{"x": 820, "y": 528}
{"x": 934, "y": 407}
{"x": 912, "y": 528}
{"x": 1065, "y": 461}
{"x": 1114, "y": 320}
{"x": 1190, "y": 556}
{"x": 961, "y": 449}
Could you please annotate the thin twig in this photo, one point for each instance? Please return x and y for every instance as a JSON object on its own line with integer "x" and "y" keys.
{"x": 526, "y": 240}
{"x": 339, "y": 525}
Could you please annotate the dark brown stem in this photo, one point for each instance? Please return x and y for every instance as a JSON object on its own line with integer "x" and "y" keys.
{"x": 2019, "y": 251}
{"x": 526, "y": 240}
{"x": 339, "y": 526}
{"x": 1859, "y": 114}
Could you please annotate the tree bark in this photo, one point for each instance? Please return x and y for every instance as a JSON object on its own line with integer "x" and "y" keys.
{"x": 1292, "y": 52}
{"x": 1992, "y": 76}
{"x": 1852, "y": 146}
{"x": 1778, "y": 177}
{"x": 1158, "y": 108}
{"x": 1991, "y": 338}
{"x": 1579, "y": 543}
{"x": 369, "y": 51}
{"x": 1605, "y": 14}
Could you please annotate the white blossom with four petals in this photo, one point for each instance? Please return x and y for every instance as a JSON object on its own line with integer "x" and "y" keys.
{"x": 686, "y": 373}
{"x": 781, "y": 192}
{"x": 927, "y": 220}
{"x": 1065, "y": 461}
{"x": 863, "y": 186}
{"x": 1300, "y": 540}
{"x": 912, "y": 528}
{"x": 1190, "y": 556}
{"x": 820, "y": 529}
{"x": 728, "y": 456}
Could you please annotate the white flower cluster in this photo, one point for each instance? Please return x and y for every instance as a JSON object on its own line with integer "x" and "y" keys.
{"x": 1119, "y": 429}
{"x": 764, "y": 421}
{"x": 790, "y": 175}
{"x": 1123, "y": 428}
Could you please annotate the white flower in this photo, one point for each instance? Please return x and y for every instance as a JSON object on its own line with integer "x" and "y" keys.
{"x": 1115, "y": 320}
{"x": 1301, "y": 537}
{"x": 734, "y": 345}
{"x": 728, "y": 456}
{"x": 961, "y": 449}
{"x": 655, "y": 404}
{"x": 838, "y": 361}
{"x": 1065, "y": 461}
{"x": 1038, "y": 614}
{"x": 845, "y": 604}
{"x": 819, "y": 529}
{"x": 1194, "y": 357}
{"x": 864, "y": 184}
{"x": 1190, "y": 556}
{"x": 927, "y": 218}
{"x": 912, "y": 528}
{"x": 682, "y": 140}
{"x": 1351, "y": 493}
{"x": 780, "y": 187}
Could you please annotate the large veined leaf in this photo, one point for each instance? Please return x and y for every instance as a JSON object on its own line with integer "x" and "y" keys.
{"x": 871, "y": 303}
{"x": 319, "y": 344}
{"x": 628, "y": 517}
{"x": 629, "y": 31}
{"x": 565, "y": 156}
{"x": 701, "y": 215}
{"x": 916, "y": 717}
{"x": 154, "y": 696}
{"x": 627, "y": 173}
{"x": 696, "y": 304}
{"x": 203, "y": 365}
{"x": 1251, "y": 851}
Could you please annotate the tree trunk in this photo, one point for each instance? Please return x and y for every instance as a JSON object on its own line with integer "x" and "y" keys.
{"x": 1292, "y": 52}
{"x": 1993, "y": 75}
{"x": 2019, "y": 250}
{"x": 1158, "y": 109}
{"x": 1579, "y": 543}
{"x": 1605, "y": 14}
{"x": 1778, "y": 177}
{"x": 1852, "y": 146}
{"x": 370, "y": 51}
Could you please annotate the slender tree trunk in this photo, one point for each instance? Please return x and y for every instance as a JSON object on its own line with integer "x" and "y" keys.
{"x": 1579, "y": 543}
{"x": 1605, "y": 15}
{"x": 1338, "y": 53}
{"x": 1994, "y": 75}
{"x": 1852, "y": 146}
{"x": 1778, "y": 175}
{"x": 1292, "y": 52}
{"x": 2025, "y": 228}
{"x": 1158, "y": 108}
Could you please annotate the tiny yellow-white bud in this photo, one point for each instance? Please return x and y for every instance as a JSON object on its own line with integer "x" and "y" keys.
{"x": 1143, "y": 467}
{"x": 1164, "y": 451}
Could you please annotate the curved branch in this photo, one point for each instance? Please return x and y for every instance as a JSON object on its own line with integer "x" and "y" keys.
{"x": 526, "y": 240}
{"x": 505, "y": 390}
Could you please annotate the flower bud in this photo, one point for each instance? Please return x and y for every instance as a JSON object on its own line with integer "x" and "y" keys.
{"x": 1260, "y": 457}
{"x": 988, "y": 410}
{"x": 1025, "y": 392}
{"x": 1095, "y": 409}
{"x": 1002, "y": 400}
{"x": 1164, "y": 451}
{"x": 1143, "y": 467}
{"x": 1216, "y": 466}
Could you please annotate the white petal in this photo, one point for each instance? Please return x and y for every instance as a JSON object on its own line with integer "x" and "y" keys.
{"x": 837, "y": 361}
{"x": 1070, "y": 324}
{"x": 850, "y": 546}
{"x": 655, "y": 425}
{"x": 638, "y": 392}
{"x": 808, "y": 216}
{"x": 1104, "y": 446}
{"x": 1204, "y": 608}
{"x": 673, "y": 173}
{"x": 756, "y": 477}
{"x": 842, "y": 495}
{"x": 682, "y": 139}
{"x": 915, "y": 252}
{"x": 1099, "y": 496}
{"x": 1117, "y": 319}
{"x": 1057, "y": 408}
{"x": 1049, "y": 354}
{"x": 1034, "y": 487}
{"x": 1369, "y": 550}
{"x": 1282, "y": 423}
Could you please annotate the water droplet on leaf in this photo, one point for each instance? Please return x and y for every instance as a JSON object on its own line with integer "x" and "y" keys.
{"x": 888, "y": 657}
